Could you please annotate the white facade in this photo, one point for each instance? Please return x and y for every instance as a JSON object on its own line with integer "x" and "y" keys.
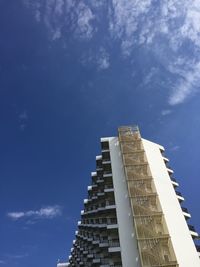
{"x": 127, "y": 236}
{"x": 181, "y": 238}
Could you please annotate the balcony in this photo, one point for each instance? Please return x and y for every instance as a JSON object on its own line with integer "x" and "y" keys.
{"x": 114, "y": 243}
{"x": 95, "y": 241}
{"x": 63, "y": 264}
{"x": 114, "y": 249}
{"x": 108, "y": 185}
{"x": 99, "y": 181}
{"x": 193, "y": 231}
{"x": 99, "y": 194}
{"x": 93, "y": 225}
{"x": 179, "y": 196}
{"x": 96, "y": 260}
{"x": 174, "y": 182}
{"x": 103, "y": 244}
{"x": 106, "y": 156}
{"x": 110, "y": 205}
{"x": 170, "y": 171}
{"x": 111, "y": 221}
{"x": 106, "y": 161}
{"x": 105, "y": 263}
{"x": 107, "y": 174}
{"x": 99, "y": 169}
{"x": 104, "y": 146}
{"x": 166, "y": 160}
{"x": 94, "y": 185}
{"x": 112, "y": 226}
{"x": 186, "y": 213}
{"x": 90, "y": 255}
{"x": 197, "y": 248}
{"x": 108, "y": 190}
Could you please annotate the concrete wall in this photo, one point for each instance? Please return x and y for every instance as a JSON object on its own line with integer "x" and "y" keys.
{"x": 182, "y": 242}
{"x": 127, "y": 235}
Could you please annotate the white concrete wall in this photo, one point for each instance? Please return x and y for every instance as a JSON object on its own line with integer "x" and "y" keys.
{"x": 127, "y": 235}
{"x": 182, "y": 242}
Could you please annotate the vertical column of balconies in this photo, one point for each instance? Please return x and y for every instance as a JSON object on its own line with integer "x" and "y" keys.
{"x": 97, "y": 238}
{"x": 181, "y": 199}
{"x": 154, "y": 242}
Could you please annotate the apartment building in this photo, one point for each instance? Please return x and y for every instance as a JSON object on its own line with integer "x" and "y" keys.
{"x": 134, "y": 215}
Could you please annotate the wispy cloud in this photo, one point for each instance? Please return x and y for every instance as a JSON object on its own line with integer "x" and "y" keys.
{"x": 103, "y": 59}
{"x": 84, "y": 28}
{"x": 23, "y": 119}
{"x": 59, "y": 14}
{"x": 151, "y": 74}
{"x": 48, "y": 212}
{"x": 17, "y": 256}
{"x": 2, "y": 262}
{"x": 174, "y": 148}
{"x": 165, "y": 30}
{"x": 23, "y": 115}
{"x": 125, "y": 17}
{"x": 166, "y": 112}
{"x": 187, "y": 84}
{"x": 100, "y": 59}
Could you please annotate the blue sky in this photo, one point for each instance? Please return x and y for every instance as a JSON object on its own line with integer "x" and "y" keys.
{"x": 70, "y": 73}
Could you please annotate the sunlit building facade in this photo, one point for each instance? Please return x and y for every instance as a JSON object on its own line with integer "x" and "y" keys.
{"x": 133, "y": 215}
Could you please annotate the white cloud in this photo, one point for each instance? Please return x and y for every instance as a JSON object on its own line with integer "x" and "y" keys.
{"x": 100, "y": 59}
{"x": 148, "y": 78}
{"x": 17, "y": 256}
{"x": 187, "y": 84}
{"x": 84, "y": 28}
{"x": 175, "y": 148}
{"x": 57, "y": 12}
{"x": 124, "y": 20}
{"x": 23, "y": 115}
{"x": 103, "y": 59}
{"x": 48, "y": 212}
{"x": 23, "y": 119}
{"x": 16, "y": 215}
{"x": 166, "y": 112}
{"x": 164, "y": 29}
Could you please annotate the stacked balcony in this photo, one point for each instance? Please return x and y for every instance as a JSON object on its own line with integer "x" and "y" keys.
{"x": 180, "y": 198}
{"x": 97, "y": 239}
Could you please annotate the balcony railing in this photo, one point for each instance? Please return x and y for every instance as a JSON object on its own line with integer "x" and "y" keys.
{"x": 105, "y": 145}
{"x": 108, "y": 186}
{"x": 106, "y": 156}
{"x": 113, "y": 243}
{"x": 112, "y": 221}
